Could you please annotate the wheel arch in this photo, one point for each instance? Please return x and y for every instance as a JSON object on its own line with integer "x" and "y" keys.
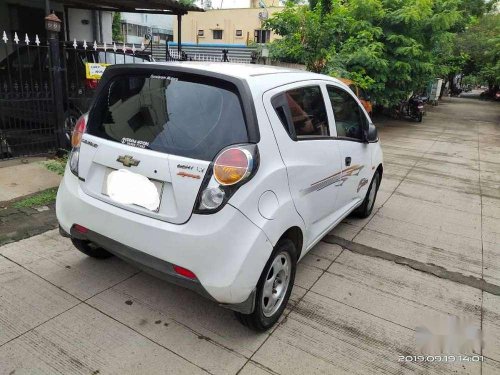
{"x": 295, "y": 235}
{"x": 380, "y": 170}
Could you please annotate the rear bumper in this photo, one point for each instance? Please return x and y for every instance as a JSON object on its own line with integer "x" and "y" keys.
{"x": 226, "y": 251}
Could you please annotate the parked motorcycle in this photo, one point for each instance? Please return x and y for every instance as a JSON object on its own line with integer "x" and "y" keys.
{"x": 412, "y": 108}
{"x": 416, "y": 108}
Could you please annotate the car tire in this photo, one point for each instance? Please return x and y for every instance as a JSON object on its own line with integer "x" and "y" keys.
{"x": 90, "y": 249}
{"x": 71, "y": 116}
{"x": 366, "y": 207}
{"x": 276, "y": 282}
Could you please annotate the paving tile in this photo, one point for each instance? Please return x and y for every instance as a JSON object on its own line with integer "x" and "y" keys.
{"x": 315, "y": 261}
{"x": 433, "y": 246}
{"x": 346, "y": 230}
{"x": 143, "y": 299}
{"x": 441, "y": 196}
{"x": 432, "y": 216}
{"x": 84, "y": 341}
{"x": 491, "y": 262}
{"x": 491, "y": 229}
{"x": 490, "y": 367}
{"x": 397, "y": 293}
{"x": 322, "y": 336}
{"x": 455, "y": 149}
{"x": 460, "y": 171}
{"x": 19, "y": 180}
{"x": 252, "y": 368}
{"x": 440, "y": 180}
{"x": 306, "y": 276}
{"x": 389, "y": 183}
{"x": 321, "y": 255}
{"x": 56, "y": 260}
{"x": 27, "y": 301}
{"x": 200, "y": 346}
{"x": 491, "y": 326}
{"x": 326, "y": 250}
{"x": 490, "y": 189}
{"x": 491, "y": 207}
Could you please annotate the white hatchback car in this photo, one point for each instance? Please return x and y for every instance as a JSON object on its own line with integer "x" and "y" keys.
{"x": 218, "y": 177}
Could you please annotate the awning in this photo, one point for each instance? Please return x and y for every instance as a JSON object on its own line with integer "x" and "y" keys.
{"x": 133, "y": 6}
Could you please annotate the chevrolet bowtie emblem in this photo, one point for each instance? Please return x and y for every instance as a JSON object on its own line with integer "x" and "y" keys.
{"x": 128, "y": 161}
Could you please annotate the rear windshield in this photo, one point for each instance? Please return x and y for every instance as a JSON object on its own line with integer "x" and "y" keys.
{"x": 185, "y": 117}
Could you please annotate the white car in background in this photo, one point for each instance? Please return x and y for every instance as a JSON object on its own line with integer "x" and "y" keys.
{"x": 218, "y": 177}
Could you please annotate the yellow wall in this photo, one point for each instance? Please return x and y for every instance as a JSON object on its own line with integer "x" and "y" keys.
{"x": 228, "y": 20}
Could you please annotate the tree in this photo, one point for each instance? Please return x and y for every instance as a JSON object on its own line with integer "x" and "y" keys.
{"x": 481, "y": 44}
{"x": 391, "y": 47}
{"x": 116, "y": 27}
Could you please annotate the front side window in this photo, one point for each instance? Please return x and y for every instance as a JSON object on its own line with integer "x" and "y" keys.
{"x": 349, "y": 118}
{"x": 302, "y": 112}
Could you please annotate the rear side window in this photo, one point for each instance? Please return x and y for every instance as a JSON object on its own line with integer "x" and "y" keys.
{"x": 185, "y": 117}
{"x": 302, "y": 112}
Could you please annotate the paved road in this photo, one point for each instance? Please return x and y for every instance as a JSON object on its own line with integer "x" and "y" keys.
{"x": 61, "y": 312}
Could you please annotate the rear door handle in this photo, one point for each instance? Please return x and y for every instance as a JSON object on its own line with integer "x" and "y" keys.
{"x": 347, "y": 161}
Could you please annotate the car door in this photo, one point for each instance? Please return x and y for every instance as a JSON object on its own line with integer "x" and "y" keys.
{"x": 351, "y": 124}
{"x": 298, "y": 116}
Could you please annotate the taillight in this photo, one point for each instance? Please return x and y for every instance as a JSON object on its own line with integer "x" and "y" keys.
{"x": 76, "y": 140}
{"x": 76, "y": 137}
{"x": 232, "y": 168}
{"x": 91, "y": 83}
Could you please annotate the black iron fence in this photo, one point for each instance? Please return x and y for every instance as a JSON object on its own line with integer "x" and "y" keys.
{"x": 26, "y": 98}
{"x": 46, "y": 86}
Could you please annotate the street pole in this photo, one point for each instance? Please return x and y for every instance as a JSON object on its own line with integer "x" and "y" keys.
{"x": 179, "y": 38}
{"x": 53, "y": 27}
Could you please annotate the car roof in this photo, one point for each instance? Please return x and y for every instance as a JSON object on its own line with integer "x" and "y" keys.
{"x": 262, "y": 75}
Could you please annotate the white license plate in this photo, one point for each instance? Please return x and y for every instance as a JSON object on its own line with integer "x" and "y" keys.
{"x": 129, "y": 188}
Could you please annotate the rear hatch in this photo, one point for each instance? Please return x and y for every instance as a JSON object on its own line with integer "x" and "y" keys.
{"x": 165, "y": 125}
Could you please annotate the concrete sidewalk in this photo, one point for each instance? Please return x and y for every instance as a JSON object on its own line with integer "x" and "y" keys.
{"x": 23, "y": 177}
{"x": 64, "y": 313}
{"x": 439, "y": 201}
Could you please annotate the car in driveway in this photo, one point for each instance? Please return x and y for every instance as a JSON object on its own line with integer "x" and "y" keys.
{"x": 218, "y": 177}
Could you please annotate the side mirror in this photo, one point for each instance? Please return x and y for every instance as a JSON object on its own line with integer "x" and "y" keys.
{"x": 371, "y": 134}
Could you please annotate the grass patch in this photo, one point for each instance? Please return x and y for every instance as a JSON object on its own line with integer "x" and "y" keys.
{"x": 40, "y": 199}
{"x": 56, "y": 165}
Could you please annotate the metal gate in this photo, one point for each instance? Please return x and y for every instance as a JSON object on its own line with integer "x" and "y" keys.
{"x": 27, "y": 121}
{"x": 45, "y": 87}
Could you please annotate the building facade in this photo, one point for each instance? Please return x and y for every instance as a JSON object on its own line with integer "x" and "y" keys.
{"x": 140, "y": 27}
{"x": 238, "y": 26}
